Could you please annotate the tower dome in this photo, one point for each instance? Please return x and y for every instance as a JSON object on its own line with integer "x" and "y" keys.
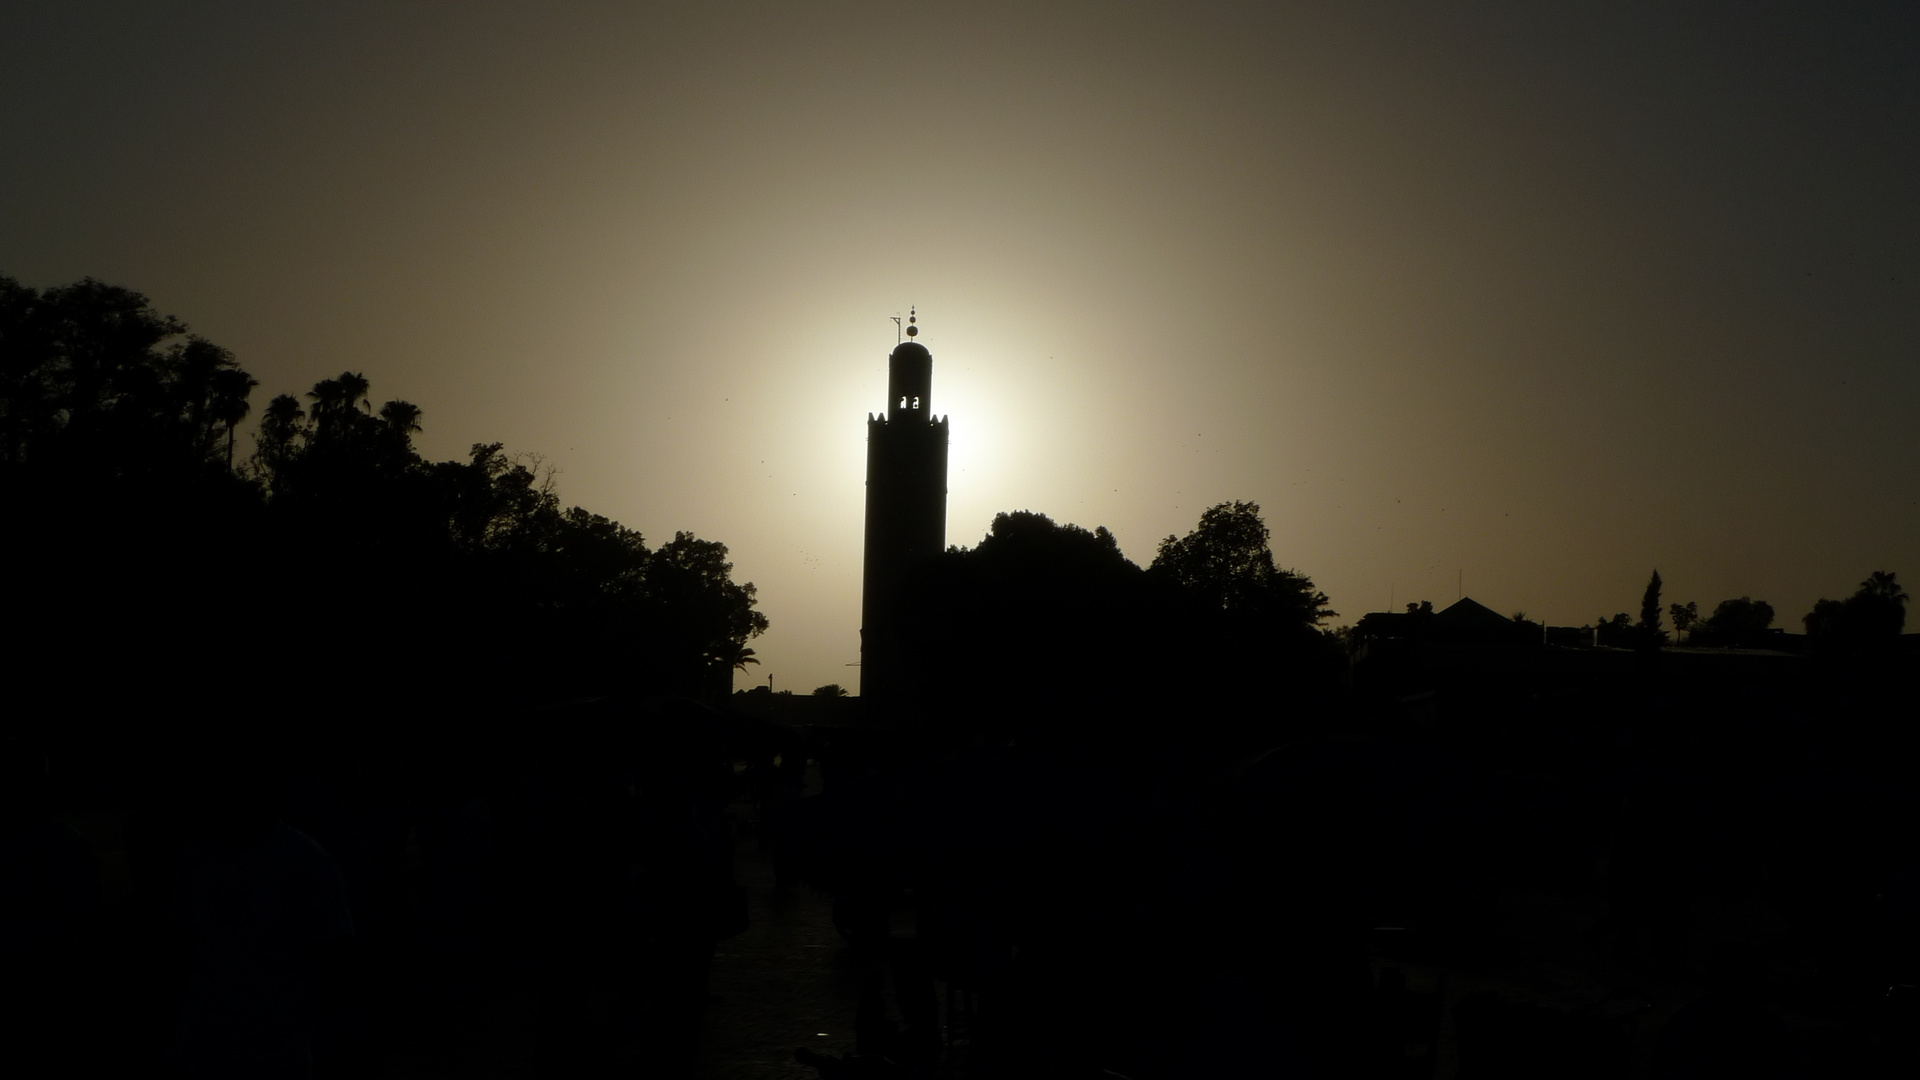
{"x": 909, "y": 381}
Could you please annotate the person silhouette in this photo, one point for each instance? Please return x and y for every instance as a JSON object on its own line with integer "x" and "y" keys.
{"x": 49, "y": 892}
{"x": 455, "y": 832}
{"x": 266, "y": 909}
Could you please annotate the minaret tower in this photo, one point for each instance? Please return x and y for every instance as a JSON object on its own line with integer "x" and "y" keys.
{"x": 906, "y": 508}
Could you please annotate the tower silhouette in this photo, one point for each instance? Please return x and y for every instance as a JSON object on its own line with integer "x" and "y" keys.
{"x": 906, "y": 510}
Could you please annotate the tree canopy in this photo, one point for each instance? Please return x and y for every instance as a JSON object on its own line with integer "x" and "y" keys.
{"x": 1042, "y": 621}
{"x": 96, "y": 386}
{"x": 334, "y": 544}
{"x": 1740, "y": 622}
{"x": 1876, "y": 611}
{"x": 1226, "y": 561}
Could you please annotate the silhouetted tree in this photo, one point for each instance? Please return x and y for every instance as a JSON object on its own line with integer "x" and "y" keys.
{"x": 736, "y": 658}
{"x": 1416, "y": 622}
{"x": 1050, "y": 625}
{"x": 95, "y": 384}
{"x": 274, "y": 442}
{"x": 692, "y": 581}
{"x": 1227, "y": 561}
{"x": 1615, "y": 632}
{"x": 1735, "y": 623}
{"x": 668, "y": 617}
{"x": 401, "y": 418}
{"x": 230, "y": 405}
{"x": 1034, "y": 615}
{"x": 832, "y": 689}
{"x": 1651, "y": 632}
{"x": 1881, "y": 595}
{"x": 125, "y": 521}
{"x": 337, "y": 402}
{"x": 1877, "y": 610}
{"x": 1684, "y": 617}
{"x": 117, "y": 445}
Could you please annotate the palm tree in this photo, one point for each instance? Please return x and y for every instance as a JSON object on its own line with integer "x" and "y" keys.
{"x": 228, "y": 401}
{"x": 402, "y": 417}
{"x": 732, "y": 654}
{"x": 725, "y": 658}
{"x": 281, "y": 424}
{"x": 334, "y": 400}
{"x": 1881, "y": 604}
{"x": 1882, "y": 586}
{"x": 1877, "y": 610}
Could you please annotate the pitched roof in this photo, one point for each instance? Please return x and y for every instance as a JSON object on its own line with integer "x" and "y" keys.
{"x": 1469, "y": 614}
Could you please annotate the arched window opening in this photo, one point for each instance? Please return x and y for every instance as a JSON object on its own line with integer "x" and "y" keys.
{"x": 916, "y": 403}
{"x": 903, "y": 401}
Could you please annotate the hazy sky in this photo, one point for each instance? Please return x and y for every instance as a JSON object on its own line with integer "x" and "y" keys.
{"x": 1549, "y": 295}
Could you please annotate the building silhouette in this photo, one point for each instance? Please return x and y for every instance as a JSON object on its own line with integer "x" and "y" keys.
{"x": 906, "y": 510}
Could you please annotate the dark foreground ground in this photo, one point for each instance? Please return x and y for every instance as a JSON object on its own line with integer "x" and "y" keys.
{"x": 789, "y": 982}
{"x": 785, "y": 983}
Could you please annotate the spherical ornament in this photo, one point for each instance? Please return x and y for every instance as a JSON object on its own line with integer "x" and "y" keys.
{"x": 913, "y": 331}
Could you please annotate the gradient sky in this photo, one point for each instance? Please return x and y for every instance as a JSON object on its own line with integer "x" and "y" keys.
{"x": 1548, "y": 295}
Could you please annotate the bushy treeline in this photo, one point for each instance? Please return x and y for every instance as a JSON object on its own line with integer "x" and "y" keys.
{"x": 1049, "y": 627}
{"x": 331, "y": 568}
{"x": 1869, "y": 620}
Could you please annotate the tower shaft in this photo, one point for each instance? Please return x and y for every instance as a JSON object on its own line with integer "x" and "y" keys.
{"x": 906, "y": 510}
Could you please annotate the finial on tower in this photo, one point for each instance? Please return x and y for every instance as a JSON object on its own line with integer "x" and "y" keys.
{"x": 912, "y": 317}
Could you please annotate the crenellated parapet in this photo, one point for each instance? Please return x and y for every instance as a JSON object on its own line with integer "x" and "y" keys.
{"x": 931, "y": 421}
